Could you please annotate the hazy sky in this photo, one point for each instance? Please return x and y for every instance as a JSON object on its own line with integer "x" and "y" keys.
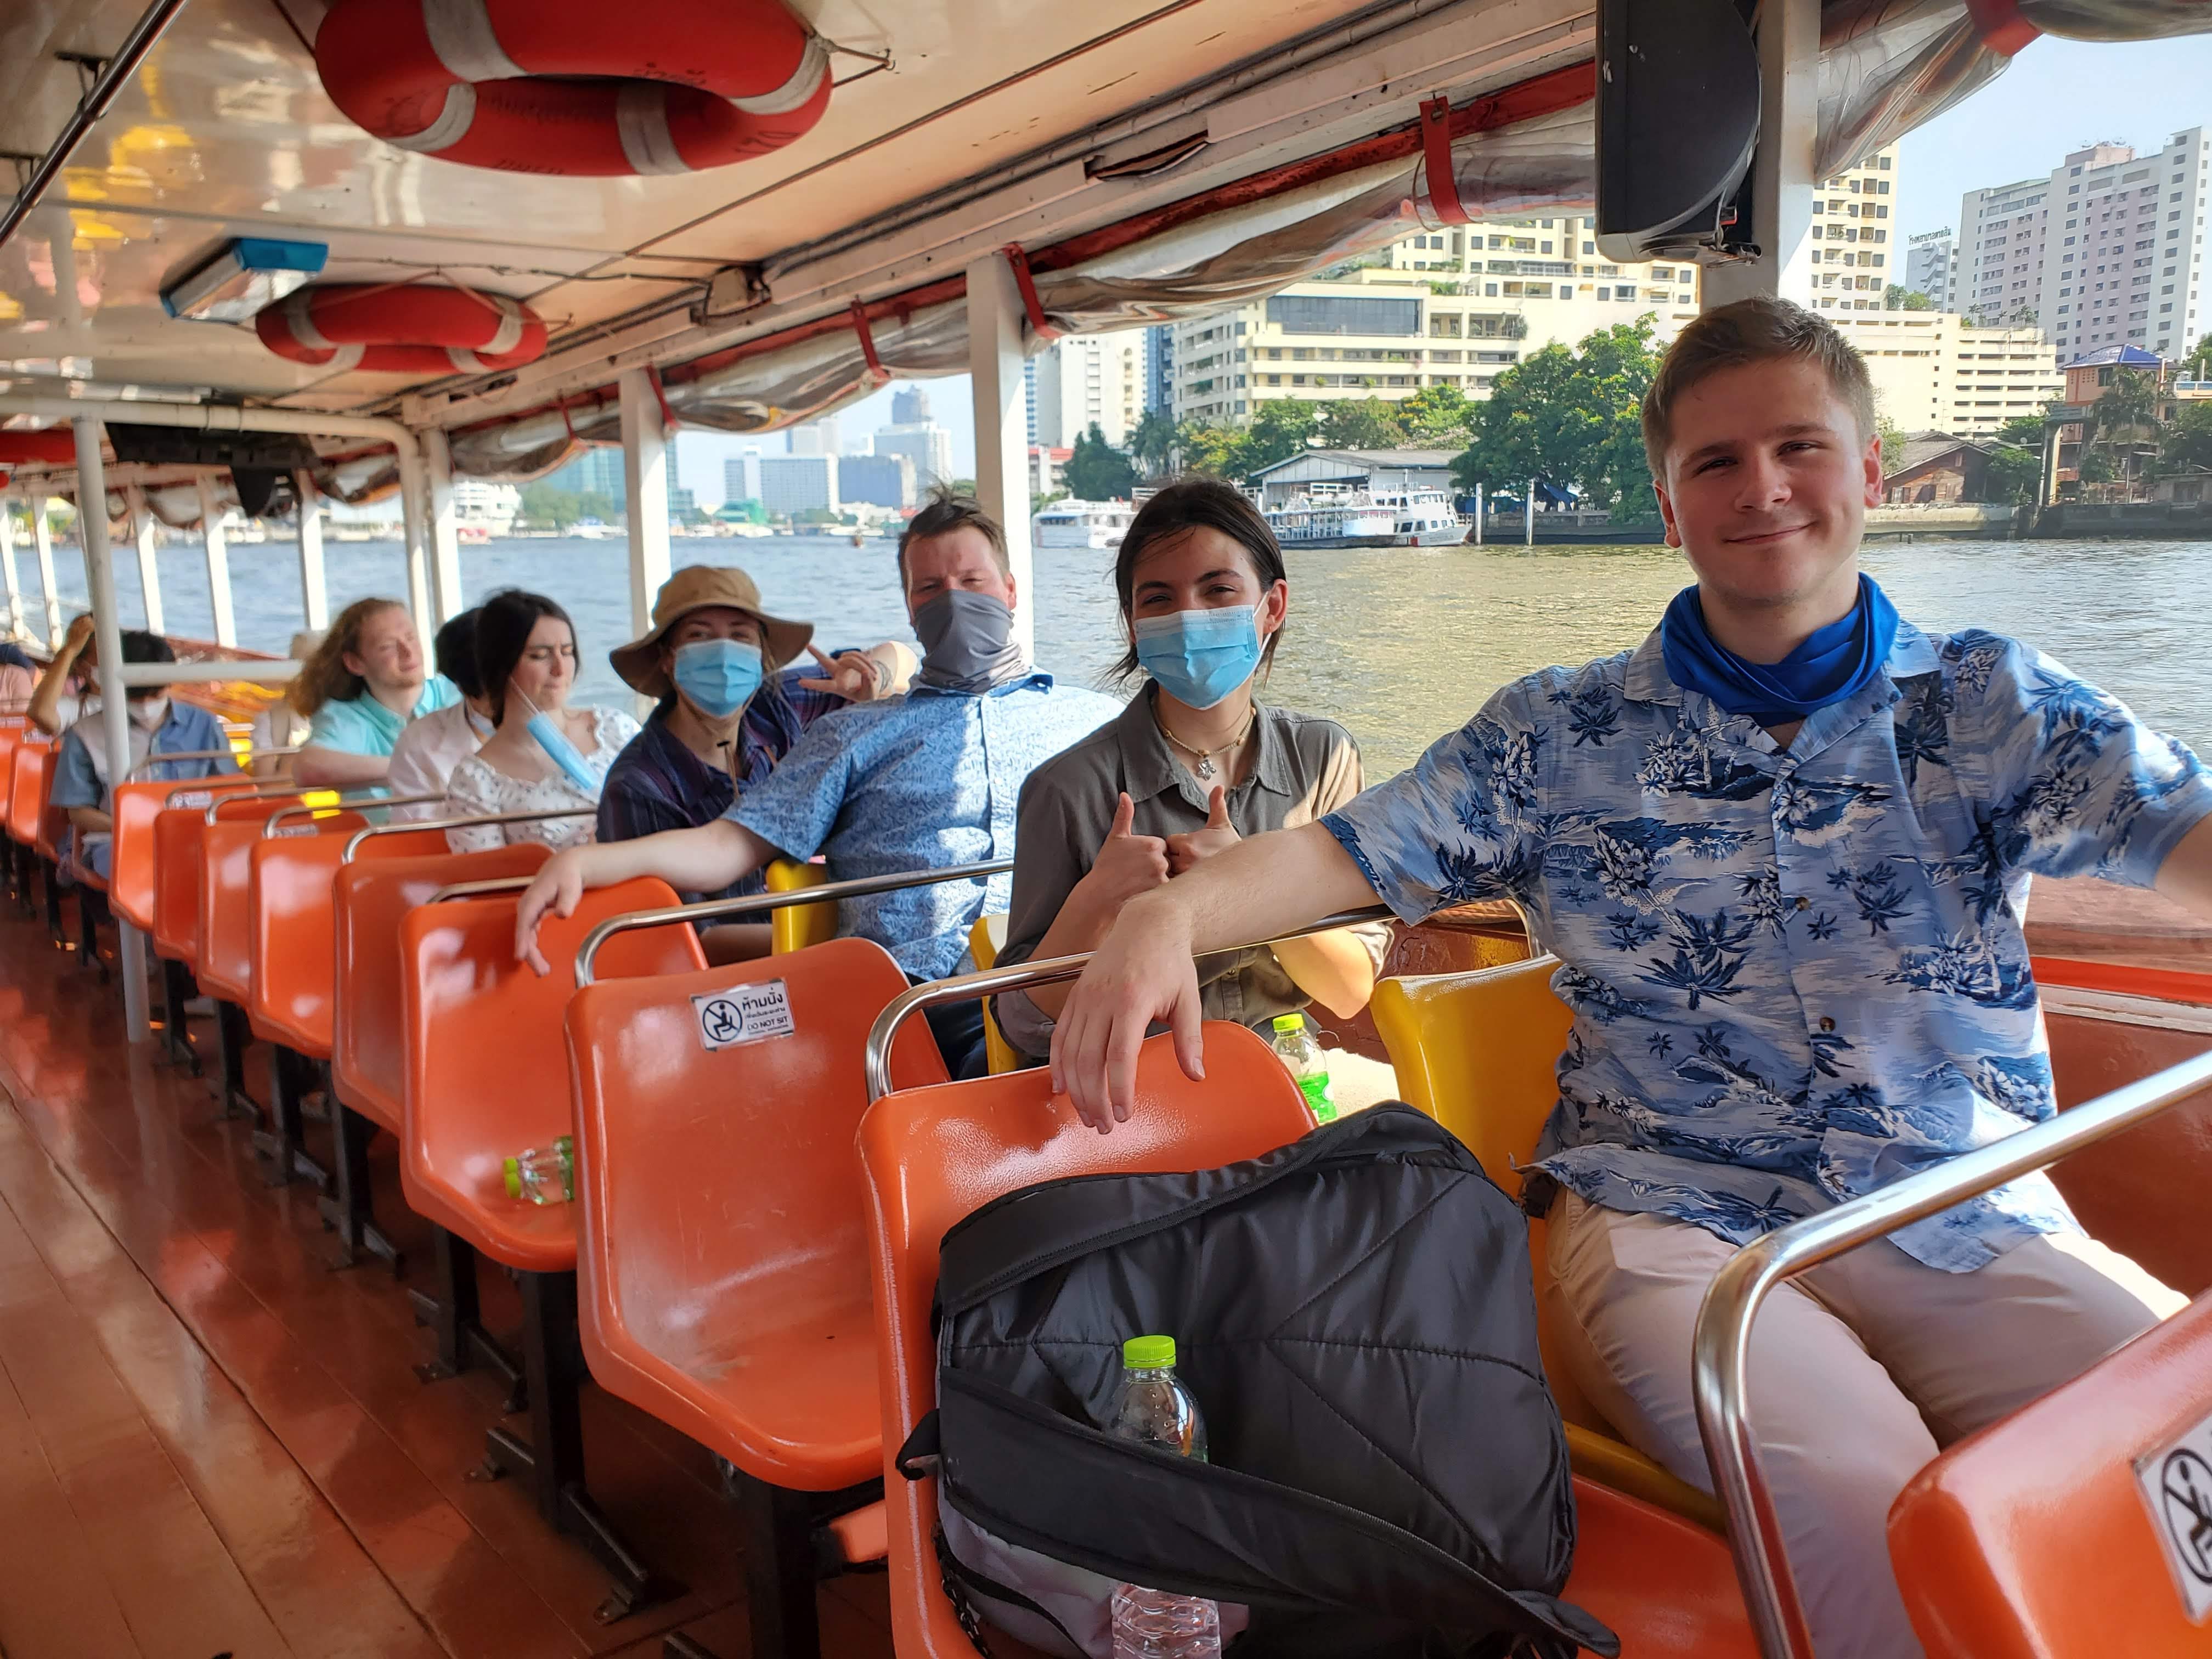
{"x": 2057, "y": 95}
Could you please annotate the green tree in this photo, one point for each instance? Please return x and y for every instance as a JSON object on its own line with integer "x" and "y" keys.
{"x": 1571, "y": 418}
{"x": 2124, "y": 423}
{"x": 2186, "y": 445}
{"x": 1214, "y": 452}
{"x": 1437, "y": 417}
{"x": 1361, "y": 423}
{"x": 2014, "y": 474}
{"x": 1153, "y": 443}
{"x": 2022, "y": 432}
{"x": 2198, "y": 365}
{"x": 1096, "y": 472}
{"x": 1281, "y": 428}
{"x": 1898, "y": 297}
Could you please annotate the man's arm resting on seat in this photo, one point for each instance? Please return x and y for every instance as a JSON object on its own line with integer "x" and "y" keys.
{"x": 1145, "y": 970}
{"x": 703, "y": 859}
{"x": 335, "y": 769}
{"x": 2186, "y": 876}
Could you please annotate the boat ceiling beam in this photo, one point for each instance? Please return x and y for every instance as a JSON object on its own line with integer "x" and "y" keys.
{"x": 1338, "y": 87}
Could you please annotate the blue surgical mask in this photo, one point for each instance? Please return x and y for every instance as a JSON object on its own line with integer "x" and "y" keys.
{"x": 718, "y": 676}
{"x": 1199, "y": 657}
{"x": 554, "y": 741}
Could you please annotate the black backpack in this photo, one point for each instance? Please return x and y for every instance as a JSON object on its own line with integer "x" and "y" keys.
{"x": 1354, "y": 1315}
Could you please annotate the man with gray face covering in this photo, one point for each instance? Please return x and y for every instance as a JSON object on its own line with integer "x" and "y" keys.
{"x": 918, "y": 782}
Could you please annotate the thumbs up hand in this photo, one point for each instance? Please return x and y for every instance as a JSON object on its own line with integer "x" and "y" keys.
{"x": 1185, "y": 852}
{"x": 1128, "y": 863}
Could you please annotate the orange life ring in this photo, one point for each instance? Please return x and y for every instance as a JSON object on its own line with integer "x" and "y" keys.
{"x": 54, "y": 446}
{"x": 578, "y": 87}
{"x": 411, "y": 329}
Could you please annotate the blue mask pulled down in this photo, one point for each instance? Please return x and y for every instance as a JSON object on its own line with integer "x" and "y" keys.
{"x": 547, "y": 732}
{"x": 1834, "y": 662}
{"x": 718, "y": 676}
{"x": 1199, "y": 657}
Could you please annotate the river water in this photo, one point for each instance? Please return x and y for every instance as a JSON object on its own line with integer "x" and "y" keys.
{"x": 1398, "y": 644}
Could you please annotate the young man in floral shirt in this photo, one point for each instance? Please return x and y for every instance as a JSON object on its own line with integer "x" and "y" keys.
{"x": 1782, "y": 850}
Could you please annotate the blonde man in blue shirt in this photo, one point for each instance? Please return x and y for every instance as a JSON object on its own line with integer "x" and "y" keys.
{"x": 1782, "y": 850}
{"x": 925, "y": 781}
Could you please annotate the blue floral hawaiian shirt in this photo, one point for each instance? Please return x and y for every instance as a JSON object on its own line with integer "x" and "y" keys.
{"x": 1796, "y": 975}
{"x": 920, "y": 782}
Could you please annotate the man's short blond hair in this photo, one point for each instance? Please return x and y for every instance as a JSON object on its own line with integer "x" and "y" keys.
{"x": 1750, "y": 331}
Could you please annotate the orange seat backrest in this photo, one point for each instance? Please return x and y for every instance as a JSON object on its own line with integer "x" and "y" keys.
{"x": 368, "y": 1055}
{"x": 225, "y": 962}
{"x": 487, "y": 1067}
{"x": 133, "y": 880}
{"x": 51, "y": 823}
{"x": 294, "y": 972}
{"x": 758, "y": 1136}
{"x": 26, "y": 789}
{"x": 2035, "y": 1539}
{"x": 179, "y": 832}
{"x": 934, "y": 1154}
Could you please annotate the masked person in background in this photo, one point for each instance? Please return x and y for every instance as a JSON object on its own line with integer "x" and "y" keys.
{"x": 920, "y": 782}
{"x": 1194, "y": 764}
{"x": 731, "y": 708}
{"x": 62, "y": 695}
{"x": 159, "y": 726}
{"x": 544, "y": 756}
{"x": 424, "y": 759}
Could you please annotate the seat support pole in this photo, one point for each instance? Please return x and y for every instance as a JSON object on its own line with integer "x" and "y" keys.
{"x": 176, "y": 992}
{"x": 453, "y": 1316}
{"x": 50, "y": 877}
{"x": 232, "y": 1034}
{"x": 348, "y": 1211}
{"x": 89, "y": 904}
{"x": 780, "y": 1572}
{"x": 552, "y": 1461}
{"x": 285, "y": 1143}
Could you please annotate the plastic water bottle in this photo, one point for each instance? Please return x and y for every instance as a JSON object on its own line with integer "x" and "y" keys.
{"x": 1302, "y": 1056}
{"x": 544, "y": 1175}
{"x": 1154, "y": 1409}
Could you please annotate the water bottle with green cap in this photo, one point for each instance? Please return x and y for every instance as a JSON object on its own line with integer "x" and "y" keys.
{"x": 1302, "y": 1056}
{"x": 543, "y": 1175}
{"x": 1153, "y": 1408}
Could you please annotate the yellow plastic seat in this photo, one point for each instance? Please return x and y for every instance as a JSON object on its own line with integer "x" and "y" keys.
{"x": 985, "y": 940}
{"x": 797, "y": 925}
{"x": 1479, "y": 1052}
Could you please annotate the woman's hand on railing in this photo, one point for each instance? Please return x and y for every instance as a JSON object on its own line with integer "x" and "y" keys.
{"x": 558, "y": 886}
{"x": 1145, "y": 972}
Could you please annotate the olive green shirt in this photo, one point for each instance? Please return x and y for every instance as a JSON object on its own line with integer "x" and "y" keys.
{"x": 1305, "y": 767}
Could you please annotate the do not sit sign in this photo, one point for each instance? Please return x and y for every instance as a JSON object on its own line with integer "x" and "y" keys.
{"x": 742, "y": 1013}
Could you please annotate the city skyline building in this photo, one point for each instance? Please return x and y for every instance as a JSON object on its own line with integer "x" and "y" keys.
{"x": 1929, "y": 268}
{"x": 925, "y": 443}
{"x": 876, "y": 481}
{"x": 598, "y": 471}
{"x": 798, "y": 484}
{"x": 741, "y": 476}
{"x": 815, "y": 437}
{"x": 2106, "y": 249}
{"x": 1854, "y": 208}
{"x": 910, "y": 405}
{"x": 1083, "y": 380}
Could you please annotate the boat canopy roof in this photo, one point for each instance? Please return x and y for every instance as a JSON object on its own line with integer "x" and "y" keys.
{"x": 1151, "y": 160}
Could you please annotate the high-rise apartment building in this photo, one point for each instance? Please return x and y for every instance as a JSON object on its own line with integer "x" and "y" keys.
{"x": 1853, "y": 210}
{"x": 925, "y": 443}
{"x": 1454, "y": 307}
{"x": 794, "y": 483}
{"x": 1160, "y": 366}
{"x": 876, "y": 480}
{"x": 1930, "y": 268}
{"x": 1086, "y": 380}
{"x": 910, "y": 405}
{"x": 741, "y": 476}
{"x": 2107, "y": 249}
{"x": 815, "y": 437}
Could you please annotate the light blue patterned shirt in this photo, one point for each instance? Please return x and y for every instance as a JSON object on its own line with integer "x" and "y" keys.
{"x": 1795, "y": 975}
{"x": 920, "y": 782}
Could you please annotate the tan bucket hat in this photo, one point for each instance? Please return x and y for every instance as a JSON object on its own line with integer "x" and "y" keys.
{"x": 697, "y": 587}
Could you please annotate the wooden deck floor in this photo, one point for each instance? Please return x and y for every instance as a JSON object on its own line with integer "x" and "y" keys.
{"x": 212, "y": 1445}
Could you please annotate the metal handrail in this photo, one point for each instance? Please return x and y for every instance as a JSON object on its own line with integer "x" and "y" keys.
{"x": 200, "y": 754}
{"x": 227, "y": 783}
{"x": 479, "y": 889}
{"x": 1051, "y": 971}
{"x": 407, "y": 826}
{"x": 272, "y": 791}
{"x": 756, "y": 905}
{"x": 1721, "y": 1352}
{"x": 343, "y": 804}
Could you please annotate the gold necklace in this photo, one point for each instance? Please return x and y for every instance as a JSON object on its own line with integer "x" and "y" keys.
{"x": 1205, "y": 769}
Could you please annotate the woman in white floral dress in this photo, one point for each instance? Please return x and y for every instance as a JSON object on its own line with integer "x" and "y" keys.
{"x": 544, "y": 756}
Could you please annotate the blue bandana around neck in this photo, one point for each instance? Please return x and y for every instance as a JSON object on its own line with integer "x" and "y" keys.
{"x": 1832, "y": 664}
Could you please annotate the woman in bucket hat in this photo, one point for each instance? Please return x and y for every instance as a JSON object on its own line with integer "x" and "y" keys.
{"x": 732, "y": 704}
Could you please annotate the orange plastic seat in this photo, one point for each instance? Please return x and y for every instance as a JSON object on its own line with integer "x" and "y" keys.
{"x": 487, "y": 1070}
{"x": 368, "y": 1053}
{"x": 487, "y": 1077}
{"x": 133, "y": 880}
{"x": 26, "y": 789}
{"x": 934, "y": 1154}
{"x": 755, "y": 1336}
{"x": 2034, "y": 1540}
